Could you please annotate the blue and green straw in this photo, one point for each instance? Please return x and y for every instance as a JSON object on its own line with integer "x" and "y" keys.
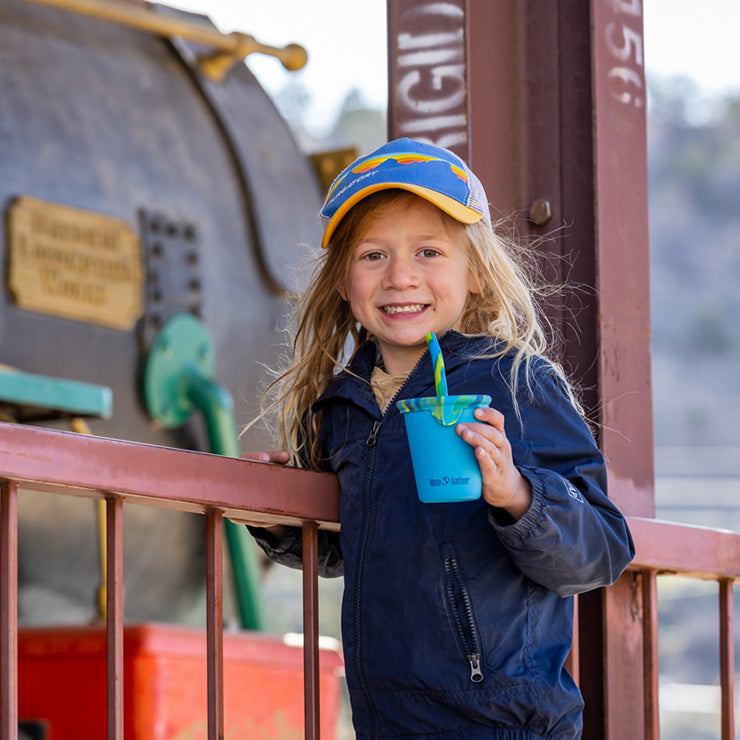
{"x": 440, "y": 377}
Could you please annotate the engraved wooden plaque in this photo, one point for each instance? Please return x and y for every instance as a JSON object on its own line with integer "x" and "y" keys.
{"x": 74, "y": 263}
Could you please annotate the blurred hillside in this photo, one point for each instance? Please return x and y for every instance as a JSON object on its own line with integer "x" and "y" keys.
{"x": 694, "y": 191}
{"x": 694, "y": 186}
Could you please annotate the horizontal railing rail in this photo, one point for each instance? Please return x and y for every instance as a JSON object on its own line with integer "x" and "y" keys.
{"x": 221, "y": 487}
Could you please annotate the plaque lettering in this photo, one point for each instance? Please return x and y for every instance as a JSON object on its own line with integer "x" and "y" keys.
{"x": 74, "y": 263}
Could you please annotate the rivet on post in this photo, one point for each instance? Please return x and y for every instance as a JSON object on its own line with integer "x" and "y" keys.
{"x": 540, "y": 212}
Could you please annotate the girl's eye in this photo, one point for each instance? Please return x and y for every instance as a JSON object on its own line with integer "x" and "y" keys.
{"x": 429, "y": 252}
{"x": 372, "y": 256}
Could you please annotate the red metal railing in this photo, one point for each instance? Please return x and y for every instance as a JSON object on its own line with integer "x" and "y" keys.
{"x": 219, "y": 487}
{"x": 665, "y": 548}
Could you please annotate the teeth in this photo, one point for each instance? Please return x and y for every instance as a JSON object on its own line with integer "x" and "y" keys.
{"x": 412, "y": 308}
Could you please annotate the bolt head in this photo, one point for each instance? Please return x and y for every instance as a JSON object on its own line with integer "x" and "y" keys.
{"x": 540, "y": 212}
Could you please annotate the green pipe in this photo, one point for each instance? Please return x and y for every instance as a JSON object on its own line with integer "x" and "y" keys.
{"x": 217, "y": 406}
{"x": 55, "y": 394}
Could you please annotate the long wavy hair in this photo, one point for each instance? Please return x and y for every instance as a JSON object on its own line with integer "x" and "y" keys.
{"x": 326, "y": 334}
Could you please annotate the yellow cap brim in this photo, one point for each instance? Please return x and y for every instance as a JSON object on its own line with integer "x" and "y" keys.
{"x": 450, "y": 206}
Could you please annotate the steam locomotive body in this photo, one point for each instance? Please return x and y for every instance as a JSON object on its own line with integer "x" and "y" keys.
{"x": 138, "y": 188}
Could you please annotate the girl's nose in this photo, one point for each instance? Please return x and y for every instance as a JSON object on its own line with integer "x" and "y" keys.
{"x": 400, "y": 274}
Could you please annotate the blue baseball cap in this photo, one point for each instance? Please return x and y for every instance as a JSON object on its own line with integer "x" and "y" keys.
{"x": 435, "y": 174}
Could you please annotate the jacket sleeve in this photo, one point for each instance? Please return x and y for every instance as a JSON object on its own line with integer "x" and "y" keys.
{"x": 289, "y": 549}
{"x": 573, "y": 538}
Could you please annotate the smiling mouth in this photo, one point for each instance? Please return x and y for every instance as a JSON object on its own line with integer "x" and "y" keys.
{"x": 410, "y": 308}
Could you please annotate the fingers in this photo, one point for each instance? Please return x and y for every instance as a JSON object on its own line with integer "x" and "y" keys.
{"x": 246, "y": 522}
{"x": 256, "y": 456}
{"x": 276, "y": 530}
{"x": 491, "y": 446}
{"x": 488, "y": 434}
{"x": 279, "y": 457}
{"x": 490, "y": 416}
{"x": 502, "y": 483}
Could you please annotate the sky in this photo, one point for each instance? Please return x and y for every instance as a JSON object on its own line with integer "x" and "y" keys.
{"x": 346, "y": 42}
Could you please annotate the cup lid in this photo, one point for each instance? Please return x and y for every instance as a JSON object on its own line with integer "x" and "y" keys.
{"x": 445, "y": 409}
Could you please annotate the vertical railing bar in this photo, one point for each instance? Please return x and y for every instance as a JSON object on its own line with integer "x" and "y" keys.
{"x": 727, "y": 658}
{"x": 9, "y": 610}
{"x": 114, "y": 615}
{"x": 214, "y": 623}
{"x": 650, "y": 654}
{"x": 571, "y": 662}
{"x": 311, "y": 630}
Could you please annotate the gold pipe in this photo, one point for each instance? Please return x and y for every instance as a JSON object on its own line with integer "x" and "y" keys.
{"x": 230, "y": 48}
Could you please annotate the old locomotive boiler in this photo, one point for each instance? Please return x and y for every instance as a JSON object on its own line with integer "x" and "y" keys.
{"x": 154, "y": 201}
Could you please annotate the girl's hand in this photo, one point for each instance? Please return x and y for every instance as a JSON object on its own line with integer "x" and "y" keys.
{"x": 503, "y": 484}
{"x": 278, "y": 457}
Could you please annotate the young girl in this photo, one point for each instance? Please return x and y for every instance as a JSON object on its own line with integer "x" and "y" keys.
{"x": 456, "y": 618}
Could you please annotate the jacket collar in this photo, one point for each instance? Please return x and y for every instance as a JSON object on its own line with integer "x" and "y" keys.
{"x": 353, "y": 383}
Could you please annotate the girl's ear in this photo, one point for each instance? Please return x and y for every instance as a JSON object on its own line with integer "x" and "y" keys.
{"x": 475, "y": 282}
{"x": 475, "y": 269}
{"x": 340, "y": 289}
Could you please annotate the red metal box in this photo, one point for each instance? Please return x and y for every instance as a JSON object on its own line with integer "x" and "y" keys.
{"x": 62, "y": 679}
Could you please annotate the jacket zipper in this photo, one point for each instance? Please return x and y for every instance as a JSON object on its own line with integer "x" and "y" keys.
{"x": 464, "y": 623}
{"x": 392, "y": 403}
{"x": 374, "y": 433}
{"x": 370, "y": 444}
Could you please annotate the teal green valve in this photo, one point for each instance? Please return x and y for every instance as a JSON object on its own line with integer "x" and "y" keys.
{"x": 178, "y": 380}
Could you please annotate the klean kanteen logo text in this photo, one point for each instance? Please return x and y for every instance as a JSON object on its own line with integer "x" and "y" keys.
{"x": 449, "y": 480}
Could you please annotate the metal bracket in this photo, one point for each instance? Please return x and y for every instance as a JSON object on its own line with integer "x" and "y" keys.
{"x": 173, "y": 271}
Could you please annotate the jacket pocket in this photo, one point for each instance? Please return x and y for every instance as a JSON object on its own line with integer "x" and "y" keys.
{"x": 461, "y": 612}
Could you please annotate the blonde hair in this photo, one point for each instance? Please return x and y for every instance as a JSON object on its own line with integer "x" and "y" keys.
{"x": 326, "y": 334}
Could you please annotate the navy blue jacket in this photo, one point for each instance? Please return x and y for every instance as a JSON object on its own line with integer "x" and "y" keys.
{"x": 456, "y": 621}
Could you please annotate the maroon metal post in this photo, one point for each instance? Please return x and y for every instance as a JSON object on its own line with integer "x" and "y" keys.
{"x": 727, "y": 658}
{"x": 427, "y": 72}
{"x": 8, "y": 610}
{"x": 114, "y": 615}
{"x": 311, "y": 630}
{"x": 214, "y": 624}
{"x": 650, "y": 653}
{"x": 622, "y": 252}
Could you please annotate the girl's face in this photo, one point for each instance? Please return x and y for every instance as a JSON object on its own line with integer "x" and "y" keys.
{"x": 408, "y": 275}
